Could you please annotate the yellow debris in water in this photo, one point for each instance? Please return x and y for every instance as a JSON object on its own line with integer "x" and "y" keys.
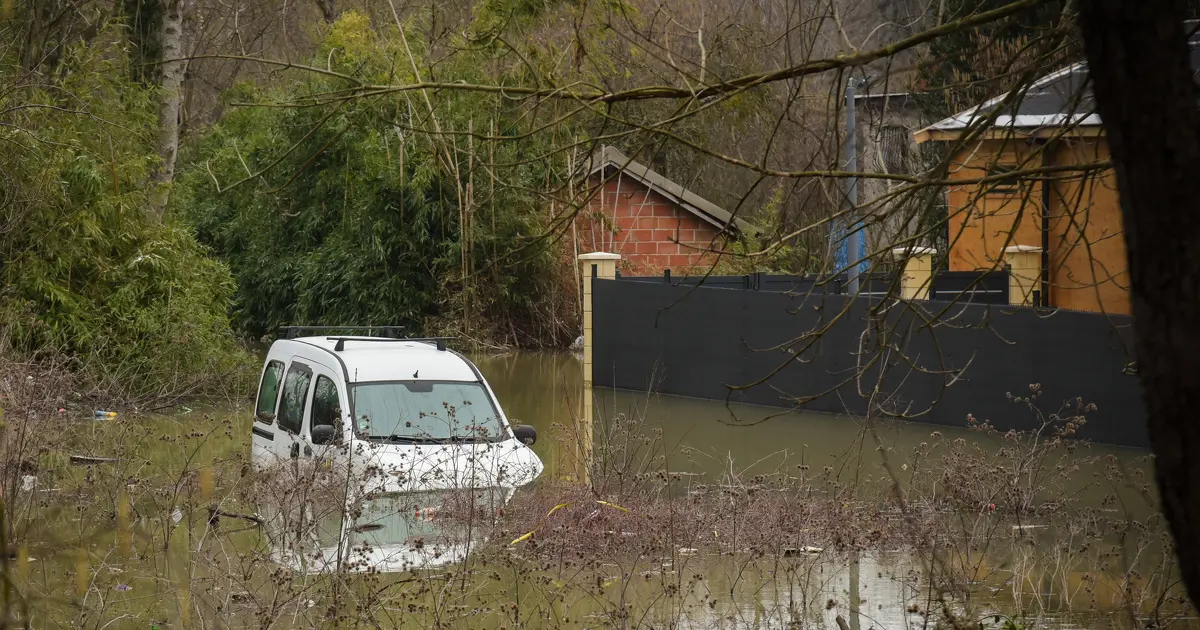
{"x": 206, "y": 484}
{"x": 83, "y": 573}
{"x": 185, "y": 603}
{"x": 124, "y": 523}
{"x": 23, "y": 562}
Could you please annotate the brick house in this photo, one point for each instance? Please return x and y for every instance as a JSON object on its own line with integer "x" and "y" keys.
{"x": 651, "y": 221}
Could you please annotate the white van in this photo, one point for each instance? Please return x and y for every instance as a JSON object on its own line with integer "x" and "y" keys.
{"x": 403, "y": 415}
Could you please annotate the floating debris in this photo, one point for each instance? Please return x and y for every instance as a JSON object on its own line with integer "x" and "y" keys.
{"x": 87, "y": 460}
{"x": 795, "y": 551}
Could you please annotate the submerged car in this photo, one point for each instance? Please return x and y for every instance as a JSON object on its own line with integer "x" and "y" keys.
{"x": 410, "y": 413}
{"x": 379, "y": 422}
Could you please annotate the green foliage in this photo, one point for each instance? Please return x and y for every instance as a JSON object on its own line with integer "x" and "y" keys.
{"x": 360, "y": 212}
{"x": 968, "y": 66}
{"x": 750, "y": 257}
{"x": 137, "y": 303}
{"x": 494, "y": 15}
{"x": 142, "y": 19}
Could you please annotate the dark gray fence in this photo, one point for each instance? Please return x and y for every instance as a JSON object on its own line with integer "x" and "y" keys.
{"x": 970, "y": 286}
{"x": 802, "y": 348}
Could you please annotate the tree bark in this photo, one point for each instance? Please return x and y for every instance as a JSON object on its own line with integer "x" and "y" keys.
{"x": 170, "y": 108}
{"x": 328, "y": 10}
{"x": 1138, "y": 59}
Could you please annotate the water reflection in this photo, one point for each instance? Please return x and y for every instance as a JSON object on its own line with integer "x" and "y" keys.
{"x": 383, "y": 533}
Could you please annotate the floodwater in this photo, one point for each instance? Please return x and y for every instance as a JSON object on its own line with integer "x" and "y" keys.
{"x": 711, "y": 442}
{"x": 698, "y": 443}
{"x": 708, "y": 439}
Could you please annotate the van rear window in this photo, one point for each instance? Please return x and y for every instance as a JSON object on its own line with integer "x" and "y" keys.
{"x": 295, "y": 394}
{"x": 268, "y": 390}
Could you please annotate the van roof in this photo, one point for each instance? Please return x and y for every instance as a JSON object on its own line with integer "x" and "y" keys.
{"x": 378, "y": 359}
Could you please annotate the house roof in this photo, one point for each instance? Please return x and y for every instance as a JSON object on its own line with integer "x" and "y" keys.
{"x": 1060, "y": 99}
{"x": 898, "y": 99}
{"x": 609, "y": 160}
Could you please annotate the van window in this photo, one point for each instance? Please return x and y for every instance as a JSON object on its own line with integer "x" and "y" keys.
{"x": 295, "y": 392}
{"x": 326, "y": 409}
{"x": 426, "y": 411}
{"x": 268, "y": 390}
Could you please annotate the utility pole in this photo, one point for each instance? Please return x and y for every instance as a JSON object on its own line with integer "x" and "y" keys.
{"x": 852, "y": 229}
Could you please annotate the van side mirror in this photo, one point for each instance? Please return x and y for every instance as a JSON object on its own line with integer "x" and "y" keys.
{"x": 525, "y": 433}
{"x": 323, "y": 433}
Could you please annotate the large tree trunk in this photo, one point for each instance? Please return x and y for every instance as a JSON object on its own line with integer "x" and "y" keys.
{"x": 1138, "y": 59}
{"x": 170, "y": 108}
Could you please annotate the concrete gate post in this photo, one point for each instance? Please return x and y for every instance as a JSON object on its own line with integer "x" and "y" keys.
{"x": 601, "y": 266}
{"x": 1024, "y": 273}
{"x": 918, "y": 271}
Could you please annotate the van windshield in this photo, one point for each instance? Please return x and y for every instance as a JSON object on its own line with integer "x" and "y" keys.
{"x": 426, "y": 411}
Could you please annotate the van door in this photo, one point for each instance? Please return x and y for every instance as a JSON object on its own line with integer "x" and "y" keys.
{"x": 262, "y": 450}
{"x": 293, "y": 403}
{"x": 327, "y": 409}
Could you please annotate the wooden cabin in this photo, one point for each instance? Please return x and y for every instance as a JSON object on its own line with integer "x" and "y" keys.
{"x": 1060, "y": 199}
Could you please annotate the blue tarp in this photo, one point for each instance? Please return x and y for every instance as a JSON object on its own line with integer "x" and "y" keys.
{"x": 841, "y": 245}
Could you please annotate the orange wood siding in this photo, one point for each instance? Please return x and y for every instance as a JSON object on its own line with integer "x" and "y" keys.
{"x": 984, "y": 222}
{"x": 1088, "y": 268}
{"x": 1087, "y": 248}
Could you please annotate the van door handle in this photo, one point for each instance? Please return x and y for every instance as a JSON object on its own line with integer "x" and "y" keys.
{"x": 295, "y": 450}
{"x": 307, "y": 451}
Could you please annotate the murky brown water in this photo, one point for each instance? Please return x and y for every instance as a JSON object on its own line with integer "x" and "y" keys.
{"x": 712, "y": 443}
{"x": 710, "y": 439}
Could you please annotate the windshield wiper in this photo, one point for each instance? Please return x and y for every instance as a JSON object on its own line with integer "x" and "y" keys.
{"x": 453, "y": 439}
{"x": 404, "y": 439}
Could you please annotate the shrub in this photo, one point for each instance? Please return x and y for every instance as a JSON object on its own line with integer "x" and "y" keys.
{"x": 137, "y": 303}
{"x": 372, "y": 210}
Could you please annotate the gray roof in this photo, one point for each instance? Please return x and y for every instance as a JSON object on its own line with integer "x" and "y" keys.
{"x": 608, "y": 160}
{"x": 897, "y": 99}
{"x": 1060, "y": 99}
{"x": 1063, "y": 98}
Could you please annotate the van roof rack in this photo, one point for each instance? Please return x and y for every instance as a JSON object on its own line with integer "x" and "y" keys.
{"x": 291, "y": 332}
{"x": 439, "y": 342}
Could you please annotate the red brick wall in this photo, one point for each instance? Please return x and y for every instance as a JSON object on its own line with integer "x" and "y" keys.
{"x": 649, "y": 231}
